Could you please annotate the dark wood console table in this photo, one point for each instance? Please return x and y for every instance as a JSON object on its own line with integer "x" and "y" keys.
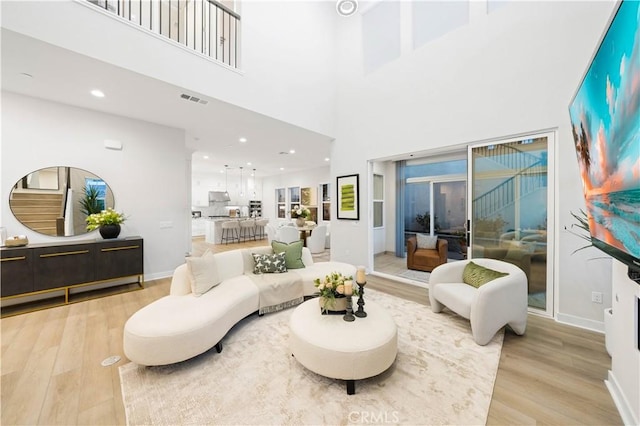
{"x": 40, "y": 276}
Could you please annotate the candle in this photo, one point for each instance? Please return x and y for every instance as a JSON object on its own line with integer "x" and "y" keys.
{"x": 360, "y": 275}
{"x": 348, "y": 288}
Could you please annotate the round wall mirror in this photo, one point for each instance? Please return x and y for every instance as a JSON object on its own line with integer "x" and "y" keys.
{"x": 57, "y": 200}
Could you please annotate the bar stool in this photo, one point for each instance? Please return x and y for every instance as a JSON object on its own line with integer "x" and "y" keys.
{"x": 260, "y": 224}
{"x": 247, "y": 229}
{"x": 230, "y": 231}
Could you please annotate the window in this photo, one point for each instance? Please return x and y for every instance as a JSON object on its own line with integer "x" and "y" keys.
{"x": 325, "y": 190}
{"x": 281, "y": 206}
{"x": 378, "y": 201}
{"x": 294, "y": 198}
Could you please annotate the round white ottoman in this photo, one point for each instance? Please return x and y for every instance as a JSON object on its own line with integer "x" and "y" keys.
{"x": 332, "y": 347}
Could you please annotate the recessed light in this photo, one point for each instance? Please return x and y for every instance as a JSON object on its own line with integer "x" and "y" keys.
{"x": 346, "y": 7}
{"x": 97, "y": 93}
{"x": 292, "y": 151}
{"x": 243, "y": 140}
{"x": 248, "y": 163}
{"x": 281, "y": 168}
{"x": 326, "y": 159}
{"x": 206, "y": 157}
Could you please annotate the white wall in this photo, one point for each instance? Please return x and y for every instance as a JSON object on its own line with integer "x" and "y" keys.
{"x": 509, "y": 72}
{"x": 147, "y": 177}
{"x": 287, "y": 63}
{"x": 309, "y": 178}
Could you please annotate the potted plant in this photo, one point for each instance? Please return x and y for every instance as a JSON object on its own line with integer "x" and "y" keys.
{"x": 107, "y": 222}
{"x": 90, "y": 203}
{"x": 331, "y": 292}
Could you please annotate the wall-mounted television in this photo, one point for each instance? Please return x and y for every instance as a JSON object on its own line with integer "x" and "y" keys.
{"x": 605, "y": 120}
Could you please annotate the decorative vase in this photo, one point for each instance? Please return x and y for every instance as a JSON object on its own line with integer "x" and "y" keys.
{"x": 301, "y": 221}
{"x": 109, "y": 231}
{"x": 335, "y": 306}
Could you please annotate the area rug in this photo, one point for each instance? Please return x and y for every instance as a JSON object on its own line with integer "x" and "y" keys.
{"x": 421, "y": 276}
{"x": 440, "y": 376}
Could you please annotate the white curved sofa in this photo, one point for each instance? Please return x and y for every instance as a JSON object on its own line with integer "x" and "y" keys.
{"x": 181, "y": 325}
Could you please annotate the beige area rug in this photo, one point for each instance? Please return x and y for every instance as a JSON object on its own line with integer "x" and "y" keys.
{"x": 440, "y": 376}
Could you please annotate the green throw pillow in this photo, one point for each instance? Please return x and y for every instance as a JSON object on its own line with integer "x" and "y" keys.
{"x": 476, "y": 275}
{"x": 269, "y": 263}
{"x": 292, "y": 253}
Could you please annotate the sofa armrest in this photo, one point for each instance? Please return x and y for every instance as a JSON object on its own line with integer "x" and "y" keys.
{"x": 447, "y": 273}
{"x": 180, "y": 282}
{"x": 412, "y": 245}
{"x": 443, "y": 247}
{"x": 497, "y": 303}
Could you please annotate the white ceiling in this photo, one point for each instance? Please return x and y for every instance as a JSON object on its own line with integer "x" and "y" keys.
{"x": 214, "y": 129}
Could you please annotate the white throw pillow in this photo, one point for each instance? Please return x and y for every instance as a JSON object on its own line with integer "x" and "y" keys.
{"x": 427, "y": 241}
{"x": 203, "y": 273}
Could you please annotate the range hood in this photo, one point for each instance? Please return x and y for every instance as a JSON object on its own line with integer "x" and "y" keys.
{"x": 218, "y": 197}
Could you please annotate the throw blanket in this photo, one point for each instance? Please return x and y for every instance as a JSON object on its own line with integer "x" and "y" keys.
{"x": 278, "y": 291}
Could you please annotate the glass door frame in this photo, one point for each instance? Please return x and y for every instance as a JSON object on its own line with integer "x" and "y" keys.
{"x": 552, "y": 209}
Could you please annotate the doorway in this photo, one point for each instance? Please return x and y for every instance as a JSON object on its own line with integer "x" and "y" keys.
{"x": 509, "y": 208}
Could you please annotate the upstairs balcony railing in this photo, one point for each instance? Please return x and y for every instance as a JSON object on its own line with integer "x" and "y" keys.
{"x": 206, "y": 26}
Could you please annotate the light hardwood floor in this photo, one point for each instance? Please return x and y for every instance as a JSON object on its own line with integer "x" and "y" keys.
{"x": 51, "y": 372}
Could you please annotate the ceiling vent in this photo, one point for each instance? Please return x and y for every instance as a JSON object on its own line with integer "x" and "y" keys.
{"x": 194, "y": 99}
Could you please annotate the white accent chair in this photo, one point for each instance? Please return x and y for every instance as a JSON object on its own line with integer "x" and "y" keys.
{"x": 500, "y": 302}
{"x": 288, "y": 234}
{"x": 271, "y": 232}
{"x": 316, "y": 241}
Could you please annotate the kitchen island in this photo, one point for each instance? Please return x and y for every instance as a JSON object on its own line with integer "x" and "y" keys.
{"x": 213, "y": 229}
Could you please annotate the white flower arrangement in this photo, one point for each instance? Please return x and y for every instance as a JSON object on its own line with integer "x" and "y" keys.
{"x": 301, "y": 211}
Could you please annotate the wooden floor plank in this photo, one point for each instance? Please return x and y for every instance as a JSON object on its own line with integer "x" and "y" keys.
{"x": 51, "y": 372}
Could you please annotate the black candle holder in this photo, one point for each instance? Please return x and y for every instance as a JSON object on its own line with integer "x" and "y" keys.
{"x": 349, "y": 315}
{"x": 360, "y": 313}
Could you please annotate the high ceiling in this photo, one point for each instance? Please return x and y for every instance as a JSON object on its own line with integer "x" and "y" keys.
{"x": 212, "y": 130}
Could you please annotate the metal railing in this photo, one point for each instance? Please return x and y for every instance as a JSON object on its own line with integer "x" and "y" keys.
{"x": 206, "y": 26}
{"x": 529, "y": 175}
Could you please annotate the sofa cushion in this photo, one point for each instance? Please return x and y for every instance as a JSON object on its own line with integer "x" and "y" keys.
{"x": 476, "y": 275}
{"x": 203, "y": 273}
{"x": 292, "y": 253}
{"x": 457, "y": 297}
{"x": 269, "y": 263}
{"x": 425, "y": 241}
{"x": 249, "y": 261}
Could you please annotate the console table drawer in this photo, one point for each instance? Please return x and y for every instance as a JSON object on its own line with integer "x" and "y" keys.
{"x": 63, "y": 266}
{"x": 118, "y": 259}
{"x": 16, "y": 270}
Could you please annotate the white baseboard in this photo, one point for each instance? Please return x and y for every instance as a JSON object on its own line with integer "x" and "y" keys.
{"x": 158, "y": 275}
{"x": 581, "y": 322}
{"x": 624, "y": 409}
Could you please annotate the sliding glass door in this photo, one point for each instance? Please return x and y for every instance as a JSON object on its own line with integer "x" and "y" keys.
{"x": 509, "y": 208}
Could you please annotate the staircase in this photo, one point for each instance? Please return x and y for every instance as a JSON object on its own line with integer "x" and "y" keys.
{"x": 37, "y": 211}
{"x": 503, "y": 195}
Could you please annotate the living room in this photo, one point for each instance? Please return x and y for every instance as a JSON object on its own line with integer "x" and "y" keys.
{"x": 497, "y": 75}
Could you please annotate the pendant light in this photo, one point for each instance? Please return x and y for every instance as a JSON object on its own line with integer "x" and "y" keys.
{"x": 254, "y": 183}
{"x": 241, "y": 193}
{"x": 226, "y": 180}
